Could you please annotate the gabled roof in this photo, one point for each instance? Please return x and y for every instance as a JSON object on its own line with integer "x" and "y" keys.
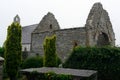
{"x": 26, "y": 33}
{"x": 48, "y": 23}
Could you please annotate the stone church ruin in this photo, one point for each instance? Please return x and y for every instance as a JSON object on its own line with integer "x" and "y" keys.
{"x": 97, "y": 31}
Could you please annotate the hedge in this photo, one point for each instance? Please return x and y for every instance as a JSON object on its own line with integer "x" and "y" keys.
{"x": 35, "y": 62}
{"x": 106, "y": 60}
{"x": 32, "y": 62}
{"x": 2, "y": 51}
{"x": 54, "y": 76}
{"x": 48, "y": 76}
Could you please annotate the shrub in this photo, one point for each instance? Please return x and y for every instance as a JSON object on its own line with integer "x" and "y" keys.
{"x": 59, "y": 61}
{"x": 106, "y": 60}
{"x": 48, "y": 76}
{"x": 32, "y": 62}
{"x": 54, "y": 76}
{"x": 63, "y": 77}
{"x": 24, "y": 55}
{"x": 13, "y": 50}
{"x": 2, "y": 51}
{"x": 50, "y": 56}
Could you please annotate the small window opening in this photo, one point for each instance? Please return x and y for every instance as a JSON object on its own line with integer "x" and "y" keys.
{"x": 75, "y": 44}
{"x": 25, "y": 49}
{"x": 50, "y": 26}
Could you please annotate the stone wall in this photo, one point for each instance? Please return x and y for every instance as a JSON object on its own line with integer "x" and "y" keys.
{"x": 25, "y": 47}
{"x": 97, "y": 32}
{"x": 65, "y": 40}
{"x": 48, "y": 23}
{"x": 97, "y": 23}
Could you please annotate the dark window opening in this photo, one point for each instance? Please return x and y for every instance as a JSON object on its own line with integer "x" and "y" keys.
{"x": 25, "y": 49}
{"x": 75, "y": 44}
{"x": 50, "y": 26}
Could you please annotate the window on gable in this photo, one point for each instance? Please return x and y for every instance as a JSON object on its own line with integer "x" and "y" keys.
{"x": 50, "y": 26}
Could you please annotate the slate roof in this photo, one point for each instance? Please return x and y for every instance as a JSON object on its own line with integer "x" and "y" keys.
{"x": 73, "y": 72}
{"x": 26, "y": 33}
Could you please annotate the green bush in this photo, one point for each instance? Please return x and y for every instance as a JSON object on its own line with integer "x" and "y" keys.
{"x": 35, "y": 62}
{"x": 2, "y": 51}
{"x": 63, "y": 77}
{"x": 48, "y": 76}
{"x": 50, "y": 56}
{"x": 59, "y": 61}
{"x": 54, "y": 76}
{"x": 13, "y": 50}
{"x": 32, "y": 62}
{"x": 106, "y": 60}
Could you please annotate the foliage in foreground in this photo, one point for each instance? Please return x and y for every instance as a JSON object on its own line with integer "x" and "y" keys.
{"x": 32, "y": 62}
{"x": 35, "y": 62}
{"x": 13, "y": 50}
{"x": 106, "y": 60}
{"x": 50, "y": 56}
{"x": 2, "y": 51}
{"x": 48, "y": 76}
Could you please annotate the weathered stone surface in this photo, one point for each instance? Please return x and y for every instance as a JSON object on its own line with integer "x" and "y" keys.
{"x": 64, "y": 40}
{"x": 97, "y": 32}
{"x": 75, "y": 73}
{"x": 48, "y": 23}
{"x": 16, "y": 19}
{"x": 98, "y": 25}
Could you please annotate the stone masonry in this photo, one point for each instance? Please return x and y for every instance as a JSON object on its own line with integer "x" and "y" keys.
{"x": 96, "y": 32}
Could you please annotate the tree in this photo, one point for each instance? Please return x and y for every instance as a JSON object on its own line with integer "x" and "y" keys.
{"x": 13, "y": 50}
{"x": 50, "y": 56}
{"x": 1, "y": 51}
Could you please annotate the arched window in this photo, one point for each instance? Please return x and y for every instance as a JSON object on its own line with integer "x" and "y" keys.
{"x": 103, "y": 40}
{"x": 17, "y": 19}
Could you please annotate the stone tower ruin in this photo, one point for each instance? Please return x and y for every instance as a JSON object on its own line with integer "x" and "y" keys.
{"x": 99, "y": 28}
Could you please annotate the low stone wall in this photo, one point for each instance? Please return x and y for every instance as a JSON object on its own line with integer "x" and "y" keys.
{"x": 1, "y": 67}
{"x": 75, "y": 73}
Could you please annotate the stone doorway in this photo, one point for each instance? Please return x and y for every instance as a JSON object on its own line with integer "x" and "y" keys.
{"x": 103, "y": 40}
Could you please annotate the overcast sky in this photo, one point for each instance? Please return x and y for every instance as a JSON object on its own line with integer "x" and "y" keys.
{"x": 69, "y": 13}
